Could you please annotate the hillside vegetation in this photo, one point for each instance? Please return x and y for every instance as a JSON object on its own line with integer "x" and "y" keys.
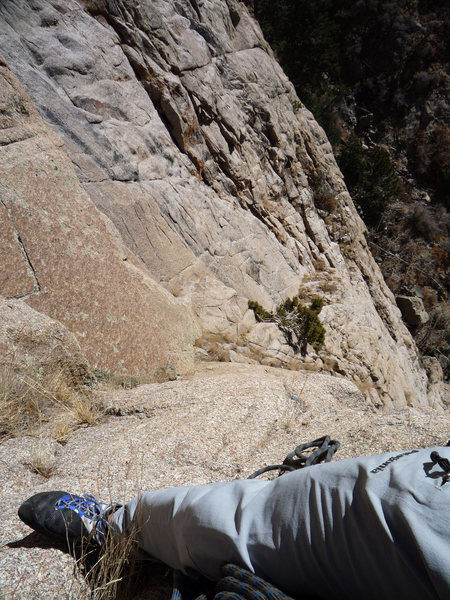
{"x": 375, "y": 75}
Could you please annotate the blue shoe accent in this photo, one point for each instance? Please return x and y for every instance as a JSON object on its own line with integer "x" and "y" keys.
{"x": 90, "y": 510}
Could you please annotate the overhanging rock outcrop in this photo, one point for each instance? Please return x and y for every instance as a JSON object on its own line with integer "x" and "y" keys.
{"x": 186, "y": 133}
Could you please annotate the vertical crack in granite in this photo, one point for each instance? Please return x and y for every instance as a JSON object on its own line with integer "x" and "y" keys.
{"x": 29, "y": 265}
{"x": 37, "y": 288}
{"x": 157, "y": 89}
{"x": 194, "y": 5}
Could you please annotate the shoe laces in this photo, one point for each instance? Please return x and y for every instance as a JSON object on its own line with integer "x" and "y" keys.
{"x": 91, "y": 511}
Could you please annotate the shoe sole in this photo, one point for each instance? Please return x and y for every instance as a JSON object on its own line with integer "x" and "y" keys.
{"x": 40, "y": 513}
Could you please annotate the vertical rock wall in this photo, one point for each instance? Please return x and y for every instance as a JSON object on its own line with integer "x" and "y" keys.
{"x": 60, "y": 254}
{"x": 186, "y": 133}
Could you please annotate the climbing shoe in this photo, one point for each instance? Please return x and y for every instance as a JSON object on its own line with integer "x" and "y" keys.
{"x": 66, "y": 517}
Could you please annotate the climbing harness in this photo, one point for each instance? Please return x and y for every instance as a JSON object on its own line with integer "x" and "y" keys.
{"x": 326, "y": 448}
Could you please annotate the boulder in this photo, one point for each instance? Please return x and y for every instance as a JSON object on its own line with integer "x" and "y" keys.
{"x": 413, "y": 310}
{"x": 438, "y": 389}
{"x": 31, "y": 342}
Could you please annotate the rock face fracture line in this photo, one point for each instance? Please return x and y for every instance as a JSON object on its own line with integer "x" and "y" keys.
{"x": 37, "y": 288}
{"x": 17, "y": 141}
{"x": 194, "y": 5}
{"x": 142, "y": 78}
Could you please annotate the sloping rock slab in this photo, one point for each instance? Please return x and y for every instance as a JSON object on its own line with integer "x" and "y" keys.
{"x": 223, "y": 423}
{"x": 66, "y": 259}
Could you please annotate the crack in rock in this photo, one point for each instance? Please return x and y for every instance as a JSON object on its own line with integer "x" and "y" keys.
{"x": 37, "y": 287}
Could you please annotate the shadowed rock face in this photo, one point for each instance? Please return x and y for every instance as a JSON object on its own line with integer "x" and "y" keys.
{"x": 187, "y": 135}
{"x": 64, "y": 259}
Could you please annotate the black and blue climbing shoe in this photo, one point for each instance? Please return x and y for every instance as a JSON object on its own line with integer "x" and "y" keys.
{"x": 66, "y": 517}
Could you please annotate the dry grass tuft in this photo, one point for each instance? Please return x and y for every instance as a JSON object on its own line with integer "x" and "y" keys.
{"x": 19, "y": 410}
{"x": 119, "y": 570}
{"x": 56, "y": 393}
{"x": 30, "y": 400}
{"x": 328, "y": 286}
{"x": 61, "y": 432}
{"x": 42, "y": 465}
{"x": 114, "y": 381}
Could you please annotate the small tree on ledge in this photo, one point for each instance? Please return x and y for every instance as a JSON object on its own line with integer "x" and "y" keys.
{"x": 300, "y": 324}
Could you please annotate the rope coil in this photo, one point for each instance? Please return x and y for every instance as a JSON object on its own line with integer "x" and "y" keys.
{"x": 297, "y": 459}
{"x": 444, "y": 463}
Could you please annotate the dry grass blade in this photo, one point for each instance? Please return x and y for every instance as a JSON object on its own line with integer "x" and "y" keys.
{"x": 19, "y": 410}
{"x": 29, "y": 400}
{"x": 55, "y": 390}
{"x": 116, "y": 571}
{"x": 62, "y": 431}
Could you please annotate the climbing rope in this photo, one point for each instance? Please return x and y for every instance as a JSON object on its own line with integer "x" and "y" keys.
{"x": 238, "y": 583}
{"x": 444, "y": 463}
{"x": 298, "y": 459}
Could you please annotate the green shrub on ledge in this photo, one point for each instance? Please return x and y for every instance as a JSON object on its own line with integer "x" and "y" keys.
{"x": 300, "y": 324}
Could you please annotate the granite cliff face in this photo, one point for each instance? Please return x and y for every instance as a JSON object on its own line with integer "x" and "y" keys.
{"x": 210, "y": 176}
{"x": 63, "y": 258}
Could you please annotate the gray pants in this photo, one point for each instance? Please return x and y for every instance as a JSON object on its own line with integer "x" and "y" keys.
{"x": 368, "y": 528}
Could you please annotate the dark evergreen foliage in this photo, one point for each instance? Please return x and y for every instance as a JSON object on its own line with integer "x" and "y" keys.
{"x": 370, "y": 178}
{"x": 390, "y": 57}
{"x": 299, "y": 323}
{"x": 305, "y": 36}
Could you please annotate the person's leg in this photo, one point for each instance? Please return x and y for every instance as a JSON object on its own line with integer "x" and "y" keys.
{"x": 328, "y": 529}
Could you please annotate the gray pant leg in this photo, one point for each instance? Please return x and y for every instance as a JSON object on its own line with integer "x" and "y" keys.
{"x": 374, "y": 527}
